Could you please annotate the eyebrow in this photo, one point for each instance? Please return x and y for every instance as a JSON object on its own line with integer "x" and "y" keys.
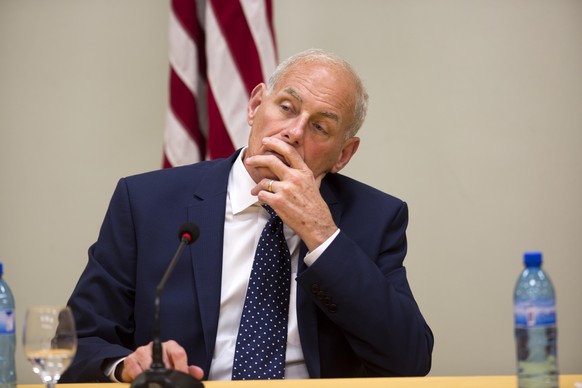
{"x": 327, "y": 114}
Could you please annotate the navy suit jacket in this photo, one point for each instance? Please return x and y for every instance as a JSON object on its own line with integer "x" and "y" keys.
{"x": 356, "y": 313}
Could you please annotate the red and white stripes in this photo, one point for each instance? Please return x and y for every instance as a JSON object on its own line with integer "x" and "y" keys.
{"x": 219, "y": 51}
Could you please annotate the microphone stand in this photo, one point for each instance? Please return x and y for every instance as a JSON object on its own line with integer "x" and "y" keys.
{"x": 158, "y": 376}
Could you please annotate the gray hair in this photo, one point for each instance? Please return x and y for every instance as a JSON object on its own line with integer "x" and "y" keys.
{"x": 318, "y": 55}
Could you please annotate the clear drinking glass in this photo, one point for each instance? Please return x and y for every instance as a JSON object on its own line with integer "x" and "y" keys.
{"x": 50, "y": 341}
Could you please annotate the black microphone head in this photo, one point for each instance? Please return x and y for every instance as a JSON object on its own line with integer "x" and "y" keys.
{"x": 188, "y": 232}
{"x": 165, "y": 378}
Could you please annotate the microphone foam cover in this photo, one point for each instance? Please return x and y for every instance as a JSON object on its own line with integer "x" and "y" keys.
{"x": 189, "y": 229}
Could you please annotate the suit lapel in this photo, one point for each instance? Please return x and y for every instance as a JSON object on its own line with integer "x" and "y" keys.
{"x": 207, "y": 211}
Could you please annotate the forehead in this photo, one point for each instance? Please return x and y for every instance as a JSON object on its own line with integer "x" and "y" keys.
{"x": 325, "y": 84}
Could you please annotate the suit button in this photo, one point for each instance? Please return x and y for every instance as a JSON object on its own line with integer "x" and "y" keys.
{"x": 327, "y": 301}
{"x": 315, "y": 288}
{"x": 332, "y": 308}
{"x": 321, "y": 295}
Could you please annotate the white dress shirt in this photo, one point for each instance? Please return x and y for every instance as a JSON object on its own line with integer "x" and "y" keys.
{"x": 244, "y": 222}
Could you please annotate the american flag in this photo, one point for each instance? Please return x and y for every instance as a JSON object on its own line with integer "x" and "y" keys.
{"x": 219, "y": 51}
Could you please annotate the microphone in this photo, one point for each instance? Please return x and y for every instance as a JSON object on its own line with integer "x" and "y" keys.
{"x": 158, "y": 376}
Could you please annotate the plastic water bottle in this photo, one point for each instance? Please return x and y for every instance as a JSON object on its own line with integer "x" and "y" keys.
{"x": 535, "y": 326}
{"x": 7, "y": 335}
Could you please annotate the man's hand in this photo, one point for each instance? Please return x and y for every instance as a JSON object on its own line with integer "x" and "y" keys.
{"x": 294, "y": 195}
{"x": 174, "y": 357}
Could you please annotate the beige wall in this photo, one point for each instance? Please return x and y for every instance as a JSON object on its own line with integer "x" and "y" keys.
{"x": 475, "y": 121}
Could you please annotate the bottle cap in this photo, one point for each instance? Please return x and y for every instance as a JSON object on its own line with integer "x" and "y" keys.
{"x": 1, "y": 269}
{"x": 532, "y": 259}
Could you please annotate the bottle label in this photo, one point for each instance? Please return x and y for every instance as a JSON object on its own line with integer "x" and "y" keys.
{"x": 7, "y": 321}
{"x": 538, "y": 313}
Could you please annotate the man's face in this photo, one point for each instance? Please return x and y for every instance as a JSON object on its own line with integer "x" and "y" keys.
{"x": 310, "y": 110}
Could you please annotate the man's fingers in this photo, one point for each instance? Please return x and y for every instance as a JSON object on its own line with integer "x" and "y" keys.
{"x": 131, "y": 369}
{"x": 286, "y": 150}
{"x": 178, "y": 359}
{"x": 272, "y": 162}
{"x": 175, "y": 356}
{"x": 196, "y": 372}
{"x": 279, "y": 157}
{"x": 136, "y": 363}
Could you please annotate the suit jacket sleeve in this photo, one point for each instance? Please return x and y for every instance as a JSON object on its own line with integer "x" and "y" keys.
{"x": 360, "y": 287}
{"x": 113, "y": 302}
{"x": 102, "y": 301}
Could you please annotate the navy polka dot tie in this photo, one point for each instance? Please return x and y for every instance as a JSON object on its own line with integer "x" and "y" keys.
{"x": 262, "y": 335}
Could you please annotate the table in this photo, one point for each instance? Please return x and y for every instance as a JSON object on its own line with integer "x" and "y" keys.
{"x": 566, "y": 381}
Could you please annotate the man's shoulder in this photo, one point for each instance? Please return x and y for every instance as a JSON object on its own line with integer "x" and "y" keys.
{"x": 178, "y": 182}
{"x": 191, "y": 172}
{"x": 173, "y": 172}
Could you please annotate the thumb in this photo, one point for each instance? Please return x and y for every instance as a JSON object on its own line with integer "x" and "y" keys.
{"x": 196, "y": 372}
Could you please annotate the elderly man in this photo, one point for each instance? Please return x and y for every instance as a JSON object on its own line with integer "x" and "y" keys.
{"x": 345, "y": 308}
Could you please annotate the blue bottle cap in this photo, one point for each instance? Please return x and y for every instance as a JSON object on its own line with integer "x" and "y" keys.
{"x": 532, "y": 259}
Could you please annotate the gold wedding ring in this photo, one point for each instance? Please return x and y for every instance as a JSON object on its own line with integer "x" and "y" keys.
{"x": 270, "y": 187}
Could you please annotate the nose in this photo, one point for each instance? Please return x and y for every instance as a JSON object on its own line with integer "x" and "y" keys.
{"x": 293, "y": 134}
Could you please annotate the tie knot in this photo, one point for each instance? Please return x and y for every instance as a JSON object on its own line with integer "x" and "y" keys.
{"x": 270, "y": 210}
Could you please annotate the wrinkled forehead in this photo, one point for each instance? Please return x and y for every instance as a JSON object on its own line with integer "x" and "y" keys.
{"x": 328, "y": 80}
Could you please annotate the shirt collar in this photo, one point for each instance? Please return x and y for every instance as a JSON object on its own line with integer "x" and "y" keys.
{"x": 240, "y": 185}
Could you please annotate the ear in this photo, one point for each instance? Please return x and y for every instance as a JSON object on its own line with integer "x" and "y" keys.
{"x": 350, "y": 147}
{"x": 255, "y": 101}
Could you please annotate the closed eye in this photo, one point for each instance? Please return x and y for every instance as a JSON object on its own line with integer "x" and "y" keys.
{"x": 319, "y": 128}
{"x": 287, "y": 108}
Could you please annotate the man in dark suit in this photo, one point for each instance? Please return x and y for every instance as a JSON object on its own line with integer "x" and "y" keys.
{"x": 351, "y": 310}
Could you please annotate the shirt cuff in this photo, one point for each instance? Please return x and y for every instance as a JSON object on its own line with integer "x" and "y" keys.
{"x": 310, "y": 257}
{"x": 110, "y": 370}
